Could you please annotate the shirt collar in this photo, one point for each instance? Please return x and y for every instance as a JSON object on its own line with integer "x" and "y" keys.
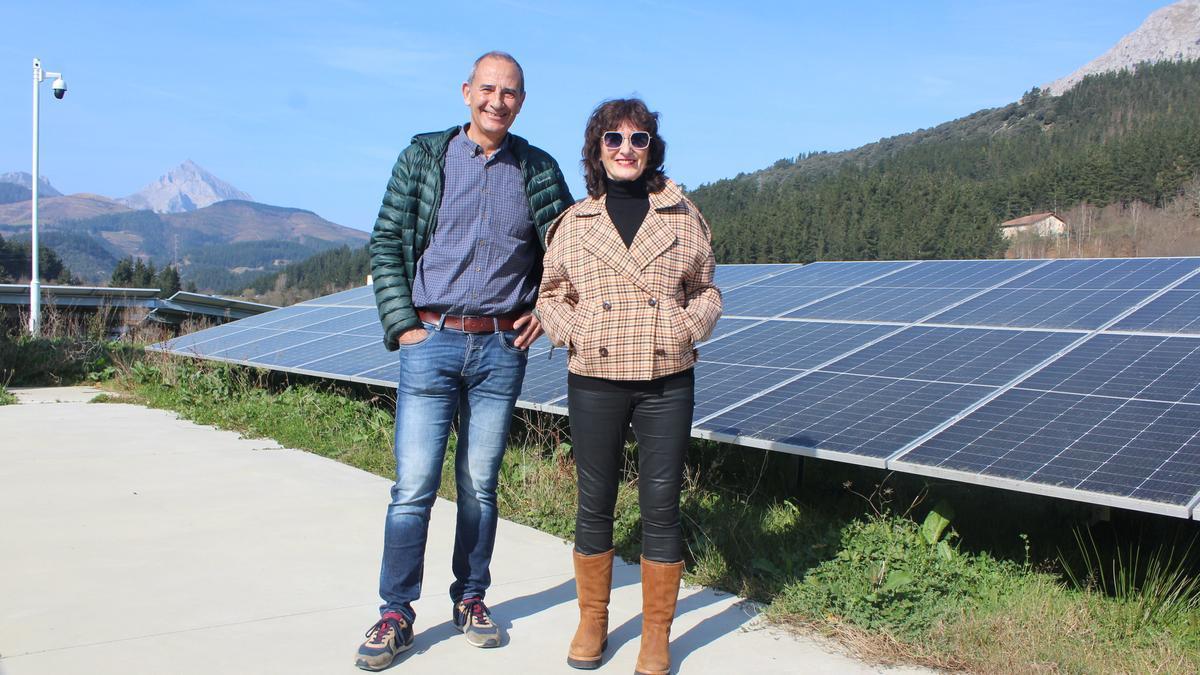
{"x": 473, "y": 149}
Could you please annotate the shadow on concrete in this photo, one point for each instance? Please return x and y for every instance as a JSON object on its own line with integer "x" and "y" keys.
{"x": 728, "y": 620}
{"x": 436, "y": 634}
{"x": 632, "y": 629}
{"x": 506, "y": 612}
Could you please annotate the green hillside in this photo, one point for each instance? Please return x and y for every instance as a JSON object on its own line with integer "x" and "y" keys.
{"x": 326, "y": 272}
{"x": 11, "y": 192}
{"x": 940, "y": 192}
{"x": 16, "y": 264}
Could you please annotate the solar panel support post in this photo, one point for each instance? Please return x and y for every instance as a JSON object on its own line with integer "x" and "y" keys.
{"x": 794, "y": 473}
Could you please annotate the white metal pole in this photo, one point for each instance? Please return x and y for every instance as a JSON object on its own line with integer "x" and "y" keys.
{"x": 35, "y": 288}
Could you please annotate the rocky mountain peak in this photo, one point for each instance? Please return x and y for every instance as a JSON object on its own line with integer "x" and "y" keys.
{"x": 25, "y": 180}
{"x": 187, "y": 187}
{"x": 1168, "y": 34}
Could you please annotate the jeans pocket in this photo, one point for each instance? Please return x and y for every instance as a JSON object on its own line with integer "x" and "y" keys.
{"x": 429, "y": 331}
{"x": 506, "y": 342}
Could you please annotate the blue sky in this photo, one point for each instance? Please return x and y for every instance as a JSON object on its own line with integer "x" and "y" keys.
{"x": 306, "y": 104}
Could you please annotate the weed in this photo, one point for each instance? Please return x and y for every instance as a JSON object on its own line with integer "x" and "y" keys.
{"x": 888, "y": 577}
{"x": 1155, "y": 587}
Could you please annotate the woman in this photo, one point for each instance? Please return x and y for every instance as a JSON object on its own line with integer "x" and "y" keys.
{"x": 628, "y": 288}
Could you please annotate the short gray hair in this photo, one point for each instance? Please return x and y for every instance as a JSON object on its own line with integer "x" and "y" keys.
{"x": 503, "y": 56}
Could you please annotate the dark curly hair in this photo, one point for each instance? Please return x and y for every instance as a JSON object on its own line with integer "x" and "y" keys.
{"x": 607, "y": 117}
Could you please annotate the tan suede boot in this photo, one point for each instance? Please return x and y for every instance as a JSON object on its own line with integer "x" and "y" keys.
{"x": 593, "y": 584}
{"x": 660, "y": 590}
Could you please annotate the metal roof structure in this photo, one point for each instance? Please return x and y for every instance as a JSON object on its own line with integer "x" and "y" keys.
{"x": 175, "y": 310}
{"x": 81, "y": 296}
{"x": 184, "y": 305}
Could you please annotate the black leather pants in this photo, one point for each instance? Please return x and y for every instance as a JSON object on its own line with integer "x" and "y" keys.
{"x": 662, "y": 421}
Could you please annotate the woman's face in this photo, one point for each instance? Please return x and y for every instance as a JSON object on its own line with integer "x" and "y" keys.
{"x": 625, "y": 162}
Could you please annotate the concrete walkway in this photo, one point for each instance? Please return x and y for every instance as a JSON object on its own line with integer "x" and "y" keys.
{"x": 135, "y": 542}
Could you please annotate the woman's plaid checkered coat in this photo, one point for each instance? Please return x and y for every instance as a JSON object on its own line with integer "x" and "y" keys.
{"x": 630, "y": 313}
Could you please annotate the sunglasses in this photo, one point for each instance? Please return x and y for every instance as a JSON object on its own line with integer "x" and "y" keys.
{"x": 638, "y": 140}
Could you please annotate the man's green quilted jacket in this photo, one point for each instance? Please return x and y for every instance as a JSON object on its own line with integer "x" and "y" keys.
{"x": 408, "y": 218}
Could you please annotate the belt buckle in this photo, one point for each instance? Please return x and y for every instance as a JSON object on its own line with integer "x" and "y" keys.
{"x": 465, "y": 319}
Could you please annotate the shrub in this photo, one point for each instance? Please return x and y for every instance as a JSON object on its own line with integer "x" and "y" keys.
{"x": 889, "y": 577}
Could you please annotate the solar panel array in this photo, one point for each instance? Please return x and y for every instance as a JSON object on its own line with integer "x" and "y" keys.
{"x": 1070, "y": 378}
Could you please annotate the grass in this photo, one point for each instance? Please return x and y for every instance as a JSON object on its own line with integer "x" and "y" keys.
{"x": 984, "y": 590}
{"x": 72, "y": 348}
{"x": 6, "y": 397}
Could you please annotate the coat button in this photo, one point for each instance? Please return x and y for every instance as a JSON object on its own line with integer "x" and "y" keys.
{"x": 660, "y": 352}
{"x": 652, "y": 302}
{"x": 606, "y": 305}
{"x": 604, "y": 351}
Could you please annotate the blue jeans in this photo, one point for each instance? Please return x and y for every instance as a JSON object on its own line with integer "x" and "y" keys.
{"x": 477, "y": 376}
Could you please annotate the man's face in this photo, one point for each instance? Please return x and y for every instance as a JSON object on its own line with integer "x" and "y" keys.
{"x": 494, "y": 96}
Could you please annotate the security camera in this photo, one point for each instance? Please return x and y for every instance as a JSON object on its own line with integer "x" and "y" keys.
{"x": 60, "y": 88}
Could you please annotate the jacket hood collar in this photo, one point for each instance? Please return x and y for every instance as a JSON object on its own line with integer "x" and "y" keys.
{"x": 665, "y": 198}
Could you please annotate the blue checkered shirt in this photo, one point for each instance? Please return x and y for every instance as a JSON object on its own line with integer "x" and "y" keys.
{"x": 484, "y": 258}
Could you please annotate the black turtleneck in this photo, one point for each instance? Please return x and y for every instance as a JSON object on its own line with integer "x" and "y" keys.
{"x": 627, "y": 203}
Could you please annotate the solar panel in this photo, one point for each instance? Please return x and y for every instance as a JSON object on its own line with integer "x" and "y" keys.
{"x": 769, "y": 301}
{"x": 726, "y": 326}
{"x": 791, "y": 344}
{"x": 385, "y": 376}
{"x": 1126, "y": 366}
{"x": 956, "y": 273}
{"x": 268, "y": 318}
{"x": 1131, "y": 453}
{"x": 361, "y": 296}
{"x": 719, "y": 386}
{"x": 249, "y": 347}
{"x": 842, "y": 274}
{"x": 1038, "y": 308}
{"x": 209, "y": 342}
{"x": 1171, "y": 312}
{"x": 545, "y": 379}
{"x": 1190, "y": 284}
{"x": 863, "y": 419}
{"x": 301, "y": 355}
{"x": 371, "y": 330}
{"x": 955, "y": 355}
{"x": 1107, "y": 273}
{"x": 353, "y": 361}
{"x": 883, "y": 304}
{"x": 343, "y": 319}
{"x": 310, "y": 317}
{"x": 729, "y": 277}
{"x": 1073, "y": 378}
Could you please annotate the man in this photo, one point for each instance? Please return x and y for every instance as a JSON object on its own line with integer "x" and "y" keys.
{"x": 456, "y": 259}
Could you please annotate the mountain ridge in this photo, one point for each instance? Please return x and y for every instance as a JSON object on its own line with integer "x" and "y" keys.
{"x": 227, "y": 243}
{"x": 25, "y": 180}
{"x": 1171, "y": 33}
{"x": 187, "y": 187}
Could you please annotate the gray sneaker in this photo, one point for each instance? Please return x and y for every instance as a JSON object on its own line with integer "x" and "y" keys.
{"x": 385, "y": 641}
{"x": 472, "y": 617}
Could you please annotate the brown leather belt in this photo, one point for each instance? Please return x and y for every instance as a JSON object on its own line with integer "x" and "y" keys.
{"x": 471, "y": 324}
